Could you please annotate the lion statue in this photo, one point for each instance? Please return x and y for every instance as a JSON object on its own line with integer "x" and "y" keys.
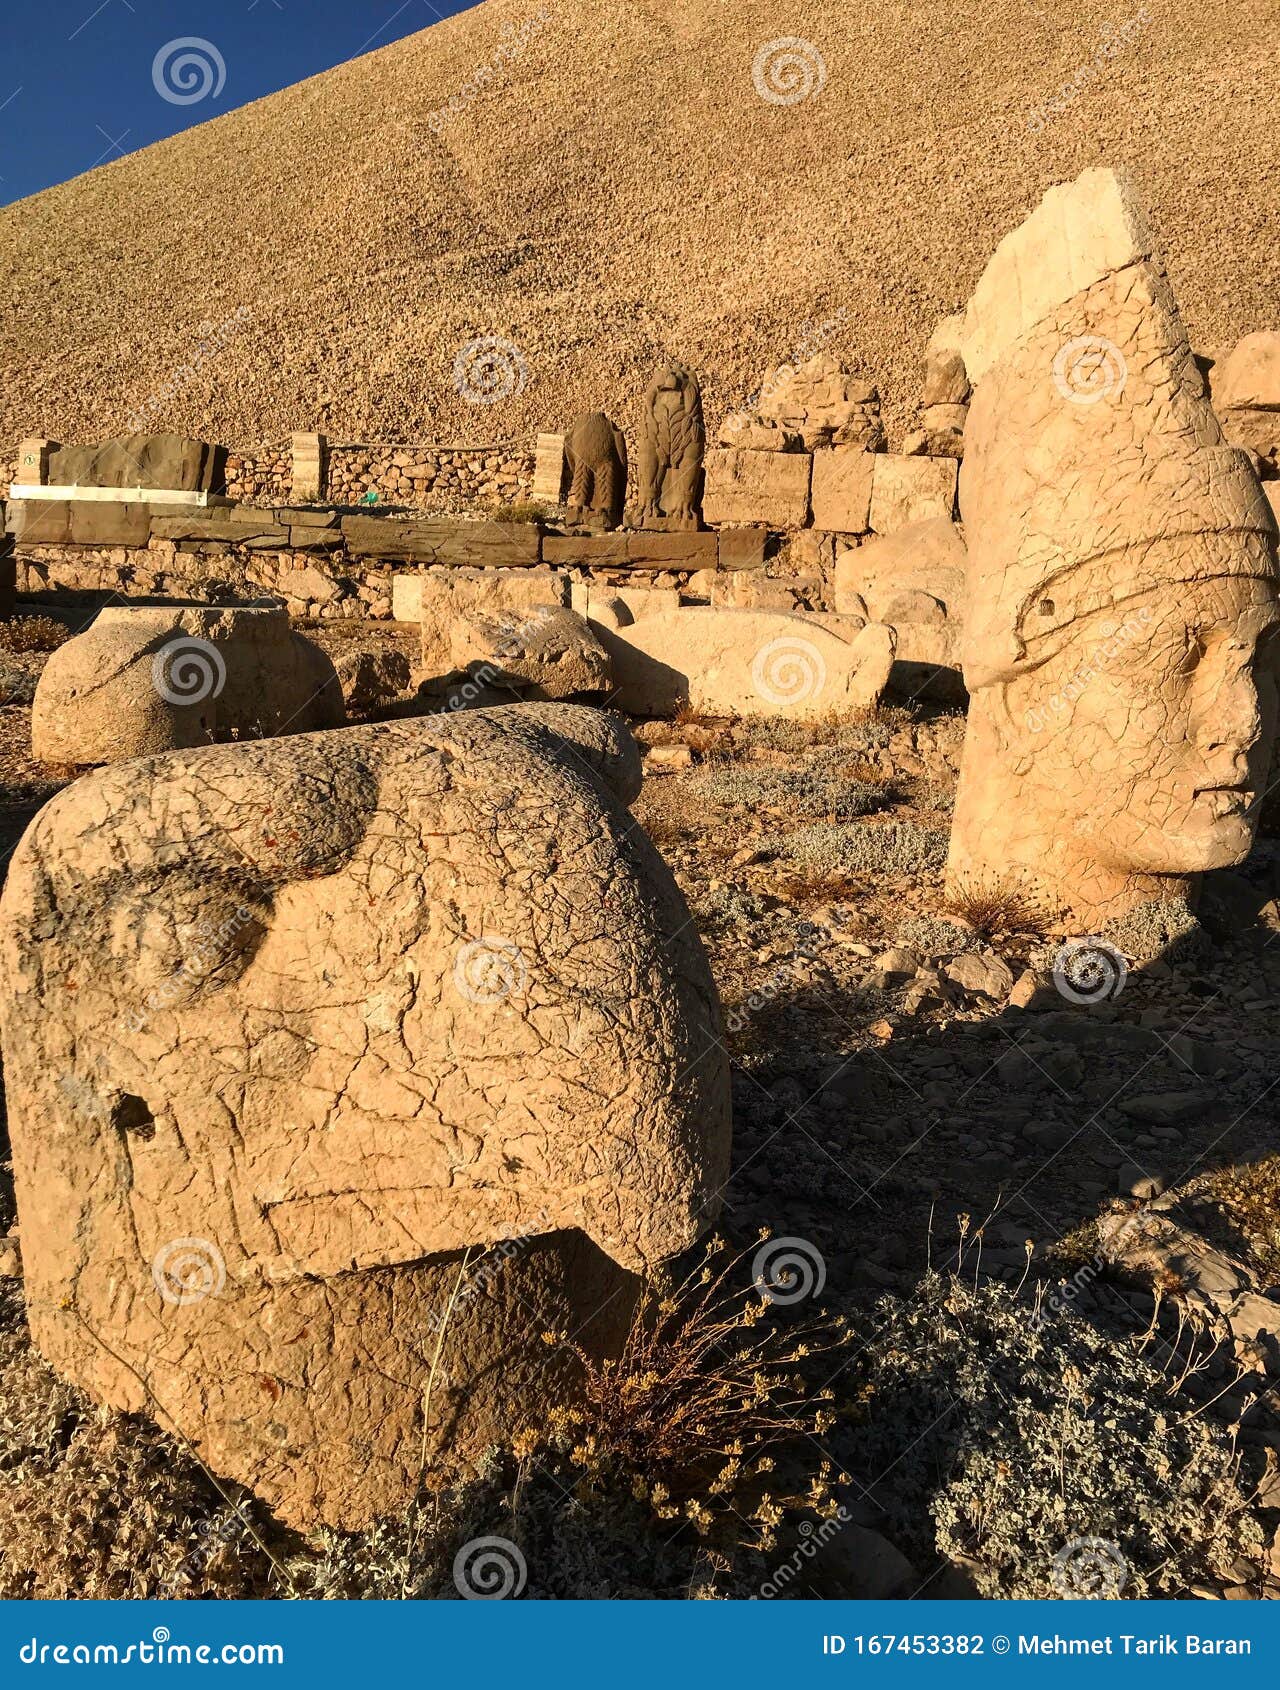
{"x": 597, "y": 453}
{"x": 673, "y": 440}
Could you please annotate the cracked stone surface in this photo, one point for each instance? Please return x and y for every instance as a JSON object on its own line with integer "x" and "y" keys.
{"x": 143, "y": 680}
{"x": 1119, "y": 644}
{"x": 294, "y": 1032}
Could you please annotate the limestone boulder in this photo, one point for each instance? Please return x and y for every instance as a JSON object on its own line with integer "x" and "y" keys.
{"x": 150, "y": 679}
{"x": 738, "y": 662}
{"x": 370, "y": 678}
{"x": 1246, "y": 395}
{"x": 771, "y": 488}
{"x": 444, "y": 595}
{"x": 1248, "y": 378}
{"x": 924, "y": 557}
{"x": 339, "y": 1069}
{"x": 545, "y": 652}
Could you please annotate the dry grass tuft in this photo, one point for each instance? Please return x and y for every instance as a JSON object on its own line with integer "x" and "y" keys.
{"x": 710, "y": 1388}
{"x": 995, "y": 907}
{"x": 32, "y": 633}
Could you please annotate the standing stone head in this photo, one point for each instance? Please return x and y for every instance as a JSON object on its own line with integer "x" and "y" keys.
{"x": 1123, "y": 579}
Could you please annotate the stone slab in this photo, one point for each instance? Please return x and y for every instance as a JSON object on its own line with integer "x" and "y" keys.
{"x": 757, "y": 487}
{"x": 483, "y": 545}
{"x": 841, "y": 491}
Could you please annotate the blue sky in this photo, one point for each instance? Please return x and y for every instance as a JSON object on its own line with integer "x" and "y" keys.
{"x": 80, "y": 80}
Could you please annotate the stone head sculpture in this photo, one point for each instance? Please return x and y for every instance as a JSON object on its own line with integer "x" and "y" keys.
{"x": 1120, "y": 646}
{"x": 296, "y": 1032}
{"x": 673, "y": 443}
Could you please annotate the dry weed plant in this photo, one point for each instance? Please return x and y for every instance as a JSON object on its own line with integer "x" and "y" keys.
{"x": 996, "y": 907}
{"x": 695, "y": 1415}
{"x": 32, "y": 633}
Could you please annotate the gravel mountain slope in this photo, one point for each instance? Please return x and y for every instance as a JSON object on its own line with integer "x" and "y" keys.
{"x": 616, "y": 191}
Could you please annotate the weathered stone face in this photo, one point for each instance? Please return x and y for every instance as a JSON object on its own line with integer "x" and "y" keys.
{"x": 1122, "y": 578}
{"x": 145, "y": 680}
{"x": 323, "y": 1014}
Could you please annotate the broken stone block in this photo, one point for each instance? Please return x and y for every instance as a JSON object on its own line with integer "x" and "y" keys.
{"x": 744, "y": 431}
{"x": 370, "y": 679}
{"x": 449, "y": 593}
{"x": 731, "y": 662}
{"x": 144, "y": 680}
{"x": 545, "y": 652}
{"x": 906, "y": 490}
{"x": 924, "y": 557}
{"x": 771, "y": 488}
{"x": 406, "y": 595}
{"x": 348, "y": 1062}
{"x": 841, "y": 490}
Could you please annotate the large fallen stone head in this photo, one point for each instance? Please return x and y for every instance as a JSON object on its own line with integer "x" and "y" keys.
{"x": 1122, "y": 607}
{"x": 149, "y": 678}
{"x": 294, "y": 1032}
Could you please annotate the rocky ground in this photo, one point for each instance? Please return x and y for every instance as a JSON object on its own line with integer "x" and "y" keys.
{"x": 916, "y": 1092}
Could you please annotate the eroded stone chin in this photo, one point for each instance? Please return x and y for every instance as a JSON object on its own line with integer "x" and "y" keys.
{"x": 452, "y": 1000}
